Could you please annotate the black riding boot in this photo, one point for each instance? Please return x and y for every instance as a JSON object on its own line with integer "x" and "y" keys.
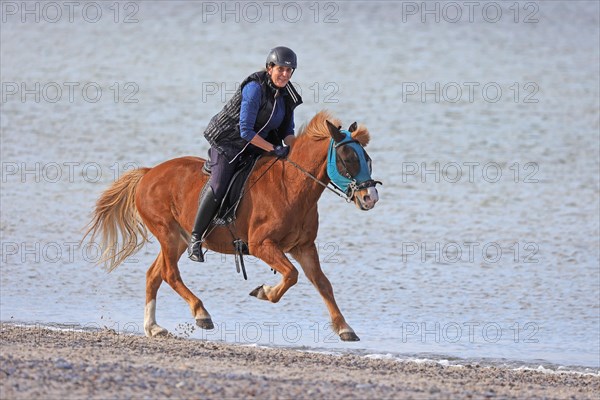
{"x": 207, "y": 207}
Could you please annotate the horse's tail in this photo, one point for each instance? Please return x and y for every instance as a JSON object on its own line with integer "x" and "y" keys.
{"x": 117, "y": 221}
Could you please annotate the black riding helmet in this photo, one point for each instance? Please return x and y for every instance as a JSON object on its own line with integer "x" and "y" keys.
{"x": 282, "y": 56}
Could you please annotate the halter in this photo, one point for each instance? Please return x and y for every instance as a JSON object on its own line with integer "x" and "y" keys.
{"x": 343, "y": 180}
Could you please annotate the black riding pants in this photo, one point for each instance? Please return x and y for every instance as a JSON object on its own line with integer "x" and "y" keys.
{"x": 221, "y": 173}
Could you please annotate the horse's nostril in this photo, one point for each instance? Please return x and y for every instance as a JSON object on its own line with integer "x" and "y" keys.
{"x": 372, "y": 195}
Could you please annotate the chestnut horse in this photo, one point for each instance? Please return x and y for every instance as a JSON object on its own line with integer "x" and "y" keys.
{"x": 277, "y": 215}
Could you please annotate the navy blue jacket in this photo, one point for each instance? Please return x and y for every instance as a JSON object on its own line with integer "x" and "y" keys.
{"x": 223, "y": 130}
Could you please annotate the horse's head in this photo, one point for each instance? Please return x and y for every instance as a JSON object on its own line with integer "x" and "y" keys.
{"x": 349, "y": 165}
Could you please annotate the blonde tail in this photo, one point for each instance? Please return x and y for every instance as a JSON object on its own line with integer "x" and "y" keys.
{"x": 118, "y": 222}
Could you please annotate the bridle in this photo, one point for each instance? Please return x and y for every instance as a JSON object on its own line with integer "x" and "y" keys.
{"x": 353, "y": 186}
{"x": 343, "y": 183}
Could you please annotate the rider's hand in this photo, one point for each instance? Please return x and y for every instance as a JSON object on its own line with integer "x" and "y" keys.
{"x": 280, "y": 151}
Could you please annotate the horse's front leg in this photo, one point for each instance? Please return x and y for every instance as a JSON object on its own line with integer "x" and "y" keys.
{"x": 270, "y": 253}
{"x": 308, "y": 258}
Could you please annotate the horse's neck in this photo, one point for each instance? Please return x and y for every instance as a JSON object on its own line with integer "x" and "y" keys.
{"x": 311, "y": 156}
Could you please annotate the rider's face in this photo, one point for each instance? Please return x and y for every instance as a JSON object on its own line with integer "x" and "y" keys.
{"x": 280, "y": 75}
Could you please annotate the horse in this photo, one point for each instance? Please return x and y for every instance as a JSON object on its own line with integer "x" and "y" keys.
{"x": 277, "y": 214}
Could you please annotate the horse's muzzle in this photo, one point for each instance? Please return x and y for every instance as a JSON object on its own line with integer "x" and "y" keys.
{"x": 365, "y": 199}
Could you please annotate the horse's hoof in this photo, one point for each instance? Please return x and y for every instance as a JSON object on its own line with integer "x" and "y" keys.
{"x": 161, "y": 333}
{"x": 205, "y": 323}
{"x": 156, "y": 331}
{"x": 349, "y": 337}
{"x": 259, "y": 293}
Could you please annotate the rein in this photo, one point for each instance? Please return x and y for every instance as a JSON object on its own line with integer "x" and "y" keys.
{"x": 334, "y": 189}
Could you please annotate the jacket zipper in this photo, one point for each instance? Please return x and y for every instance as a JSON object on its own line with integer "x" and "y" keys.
{"x": 260, "y": 130}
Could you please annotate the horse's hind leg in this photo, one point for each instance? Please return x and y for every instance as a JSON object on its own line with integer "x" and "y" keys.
{"x": 308, "y": 258}
{"x": 153, "y": 281}
{"x": 172, "y": 250}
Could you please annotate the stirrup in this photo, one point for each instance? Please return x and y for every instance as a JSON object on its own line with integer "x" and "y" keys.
{"x": 195, "y": 251}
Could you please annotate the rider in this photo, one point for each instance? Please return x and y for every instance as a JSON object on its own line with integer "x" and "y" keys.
{"x": 258, "y": 118}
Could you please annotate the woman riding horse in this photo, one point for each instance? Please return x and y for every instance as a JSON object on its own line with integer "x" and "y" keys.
{"x": 258, "y": 118}
{"x": 277, "y": 217}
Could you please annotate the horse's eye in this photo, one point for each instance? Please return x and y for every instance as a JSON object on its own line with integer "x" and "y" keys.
{"x": 353, "y": 163}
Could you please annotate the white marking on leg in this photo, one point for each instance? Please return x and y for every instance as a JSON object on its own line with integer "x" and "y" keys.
{"x": 264, "y": 295}
{"x": 346, "y": 330}
{"x": 149, "y": 317}
{"x": 151, "y": 328}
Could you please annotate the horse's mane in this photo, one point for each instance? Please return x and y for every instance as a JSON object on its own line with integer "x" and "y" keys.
{"x": 317, "y": 129}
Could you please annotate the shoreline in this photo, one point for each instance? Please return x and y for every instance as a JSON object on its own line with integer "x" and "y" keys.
{"x": 185, "y": 331}
{"x": 52, "y": 363}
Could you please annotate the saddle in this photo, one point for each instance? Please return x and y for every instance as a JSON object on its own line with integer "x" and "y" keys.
{"x": 228, "y": 208}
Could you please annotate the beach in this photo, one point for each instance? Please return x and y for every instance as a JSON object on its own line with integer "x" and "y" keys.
{"x": 52, "y": 364}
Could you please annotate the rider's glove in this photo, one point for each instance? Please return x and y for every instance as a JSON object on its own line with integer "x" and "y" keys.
{"x": 280, "y": 151}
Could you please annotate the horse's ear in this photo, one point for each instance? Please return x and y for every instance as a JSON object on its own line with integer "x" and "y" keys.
{"x": 335, "y": 133}
{"x": 353, "y": 127}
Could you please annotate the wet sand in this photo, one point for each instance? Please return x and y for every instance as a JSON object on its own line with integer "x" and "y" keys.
{"x": 50, "y": 364}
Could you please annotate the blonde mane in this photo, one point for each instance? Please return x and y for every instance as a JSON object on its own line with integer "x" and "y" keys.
{"x": 317, "y": 129}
